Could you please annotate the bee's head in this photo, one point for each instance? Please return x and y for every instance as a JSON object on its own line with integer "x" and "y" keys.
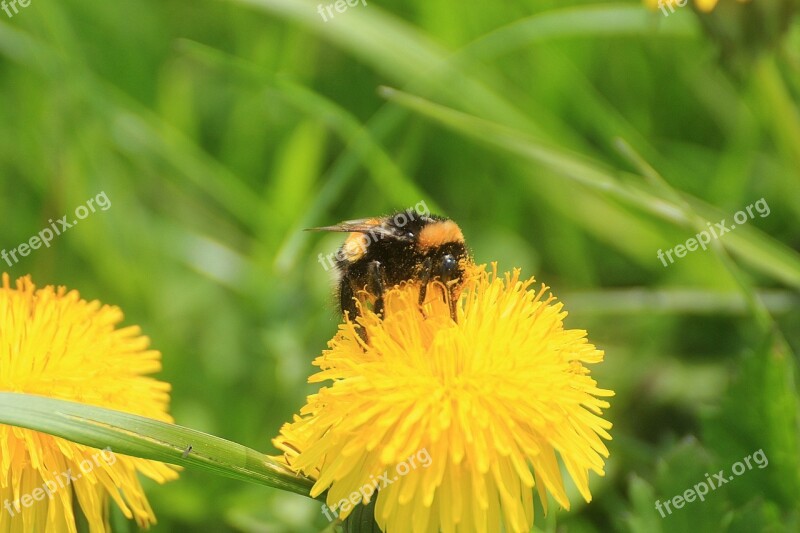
{"x": 441, "y": 242}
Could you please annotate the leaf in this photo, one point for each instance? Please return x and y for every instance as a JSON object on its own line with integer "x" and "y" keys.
{"x": 611, "y": 20}
{"x": 751, "y": 245}
{"x": 683, "y": 499}
{"x": 138, "y": 436}
{"x": 642, "y": 519}
{"x": 761, "y": 413}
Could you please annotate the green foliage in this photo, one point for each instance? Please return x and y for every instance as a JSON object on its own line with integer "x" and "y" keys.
{"x": 574, "y": 141}
{"x": 138, "y": 436}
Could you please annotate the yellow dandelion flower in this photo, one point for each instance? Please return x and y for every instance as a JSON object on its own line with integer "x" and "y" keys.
{"x": 53, "y": 343}
{"x": 706, "y": 5}
{"x": 454, "y": 423}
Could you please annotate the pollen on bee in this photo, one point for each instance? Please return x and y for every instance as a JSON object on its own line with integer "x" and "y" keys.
{"x": 355, "y": 246}
{"x": 439, "y": 233}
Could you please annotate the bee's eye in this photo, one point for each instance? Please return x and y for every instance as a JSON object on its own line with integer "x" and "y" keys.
{"x": 449, "y": 264}
{"x": 409, "y": 235}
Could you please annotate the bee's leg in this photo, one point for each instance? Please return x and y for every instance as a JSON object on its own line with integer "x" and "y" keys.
{"x": 376, "y": 285}
{"x": 347, "y": 299}
{"x": 446, "y": 274}
{"x": 425, "y": 278}
{"x": 452, "y": 302}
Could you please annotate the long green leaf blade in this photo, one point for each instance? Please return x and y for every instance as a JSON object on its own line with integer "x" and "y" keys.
{"x": 138, "y": 436}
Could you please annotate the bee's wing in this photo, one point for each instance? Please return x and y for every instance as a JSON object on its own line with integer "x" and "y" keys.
{"x": 365, "y": 225}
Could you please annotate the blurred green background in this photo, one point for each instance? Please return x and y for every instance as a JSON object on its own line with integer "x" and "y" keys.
{"x": 572, "y": 139}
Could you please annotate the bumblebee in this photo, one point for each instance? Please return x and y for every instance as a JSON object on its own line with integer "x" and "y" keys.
{"x": 407, "y": 246}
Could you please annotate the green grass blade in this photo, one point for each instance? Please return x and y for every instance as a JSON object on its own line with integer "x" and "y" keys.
{"x": 402, "y": 53}
{"x": 138, "y": 436}
{"x": 612, "y": 20}
{"x": 751, "y": 245}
